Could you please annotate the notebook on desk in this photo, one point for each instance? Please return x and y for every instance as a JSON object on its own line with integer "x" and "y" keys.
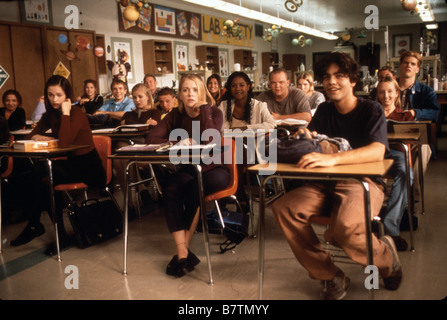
{"x": 158, "y": 147}
{"x": 123, "y": 128}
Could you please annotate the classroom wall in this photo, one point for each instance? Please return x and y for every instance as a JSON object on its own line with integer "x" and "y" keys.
{"x": 102, "y": 16}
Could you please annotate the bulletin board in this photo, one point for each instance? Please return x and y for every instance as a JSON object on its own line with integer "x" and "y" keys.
{"x": 163, "y": 21}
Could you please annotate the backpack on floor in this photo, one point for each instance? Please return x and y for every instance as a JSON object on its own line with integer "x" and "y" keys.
{"x": 236, "y": 227}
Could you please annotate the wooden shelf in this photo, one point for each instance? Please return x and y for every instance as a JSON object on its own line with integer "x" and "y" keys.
{"x": 157, "y": 57}
{"x": 269, "y": 59}
{"x": 244, "y": 58}
{"x": 208, "y": 57}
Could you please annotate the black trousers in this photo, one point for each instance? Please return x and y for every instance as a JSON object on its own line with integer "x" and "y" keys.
{"x": 181, "y": 195}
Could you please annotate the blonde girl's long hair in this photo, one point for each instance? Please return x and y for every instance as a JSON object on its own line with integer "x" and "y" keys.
{"x": 204, "y": 95}
{"x": 150, "y": 102}
{"x": 308, "y": 77}
{"x": 388, "y": 79}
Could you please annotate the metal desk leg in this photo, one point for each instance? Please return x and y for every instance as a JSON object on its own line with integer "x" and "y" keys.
{"x": 421, "y": 177}
{"x": 410, "y": 196}
{"x": 369, "y": 246}
{"x": 204, "y": 221}
{"x": 126, "y": 216}
{"x": 261, "y": 236}
{"x": 53, "y": 207}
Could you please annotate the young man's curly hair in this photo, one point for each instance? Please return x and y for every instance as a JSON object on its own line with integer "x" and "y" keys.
{"x": 346, "y": 64}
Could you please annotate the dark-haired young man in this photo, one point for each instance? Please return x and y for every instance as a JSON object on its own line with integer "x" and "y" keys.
{"x": 166, "y": 101}
{"x": 362, "y": 123}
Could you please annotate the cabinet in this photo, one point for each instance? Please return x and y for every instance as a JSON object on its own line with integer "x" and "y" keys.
{"x": 208, "y": 57}
{"x": 269, "y": 59}
{"x": 244, "y": 58}
{"x": 102, "y": 62}
{"x": 292, "y": 62}
{"x": 82, "y": 66}
{"x": 157, "y": 57}
{"x": 30, "y": 54}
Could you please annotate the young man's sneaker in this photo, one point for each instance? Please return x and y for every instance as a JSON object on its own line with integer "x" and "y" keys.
{"x": 392, "y": 282}
{"x": 336, "y": 288}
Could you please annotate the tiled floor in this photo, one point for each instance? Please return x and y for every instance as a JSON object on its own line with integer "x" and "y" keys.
{"x": 26, "y": 273}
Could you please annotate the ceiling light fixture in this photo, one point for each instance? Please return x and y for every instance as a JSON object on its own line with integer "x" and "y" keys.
{"x": 260, "y": 16}
{"x": 425, "y": 11}
{"x": 432, "y": 26}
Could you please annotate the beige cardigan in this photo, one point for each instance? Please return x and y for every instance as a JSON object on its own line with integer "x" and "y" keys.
{"x": 260, "y": 117}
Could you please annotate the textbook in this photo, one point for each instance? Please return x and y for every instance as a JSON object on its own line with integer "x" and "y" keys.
{"x": 132, "y": 128}
{"x": 32, "y": 145}
{"x": 291, "y": 122}
{"x": 144, "y": 147}
{"x": 123, "y": 128}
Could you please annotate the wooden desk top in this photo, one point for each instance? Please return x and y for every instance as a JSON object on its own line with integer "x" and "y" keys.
{"x": 370, "y": 169}
{"x": 45, "y": 153}
{"x": 403, "y": 136}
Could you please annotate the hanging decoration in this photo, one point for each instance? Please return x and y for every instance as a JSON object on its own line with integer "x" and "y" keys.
{"x": 272, "y": 32}
{"x": 231, "y": 29}
{"x": 302, "y": 41}
{"x": 361, "y": 35}
{"x": 133, "y": 8}
{"x": 429, "y": 37}
{"x": 408, "y": 5}
{"x": 293, "y": 5}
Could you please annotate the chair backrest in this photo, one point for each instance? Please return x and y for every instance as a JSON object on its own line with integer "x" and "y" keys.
{"x": 233, "y": 165}
{"x": 103, "y": 145}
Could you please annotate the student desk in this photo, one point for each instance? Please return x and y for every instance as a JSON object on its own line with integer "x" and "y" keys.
{"x": 120, "y": 135}
{"x": 403, "y": 139}
{"x": 356, "y": 172}
{"x": 406, "y": 133}
{"x": 163, "y": 158}
{"x": 46, "y": 155}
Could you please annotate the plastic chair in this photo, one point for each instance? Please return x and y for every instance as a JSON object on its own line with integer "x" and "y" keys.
{"x": 103, "y": 145}
{"x": 230, "y": 190}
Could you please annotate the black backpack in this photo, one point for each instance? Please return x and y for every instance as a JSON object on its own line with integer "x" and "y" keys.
{"x": 236, "y": 227}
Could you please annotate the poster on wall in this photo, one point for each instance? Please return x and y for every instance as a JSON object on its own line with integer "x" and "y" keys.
{"x": 223, "y": 63}
{"x": 61, "y": 70}
{"x": 4, "y": 76}
{"x": 164, "y": 20}
{"x": 212, "y": 28}
{"x": 122, "y": 55}
{"x": 156, "y": 20}
{"x": 36, "y": 11}
{"x": 144, "y": 22}
{"x": 181, "y": 56}
{"x": 195, "y": 26}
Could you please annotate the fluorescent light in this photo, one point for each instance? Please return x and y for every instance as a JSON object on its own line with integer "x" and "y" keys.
{"x": 260, "y": 16}
{"x": 432, "y": 26}
{"x": 425, "y": 11}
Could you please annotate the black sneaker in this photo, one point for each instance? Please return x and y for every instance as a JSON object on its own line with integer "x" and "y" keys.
{"x": 336, "y": 288}
{"x": 392, "y": 282}
{"x": 400, "y": 243}
{"x": 29, "y": 233}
